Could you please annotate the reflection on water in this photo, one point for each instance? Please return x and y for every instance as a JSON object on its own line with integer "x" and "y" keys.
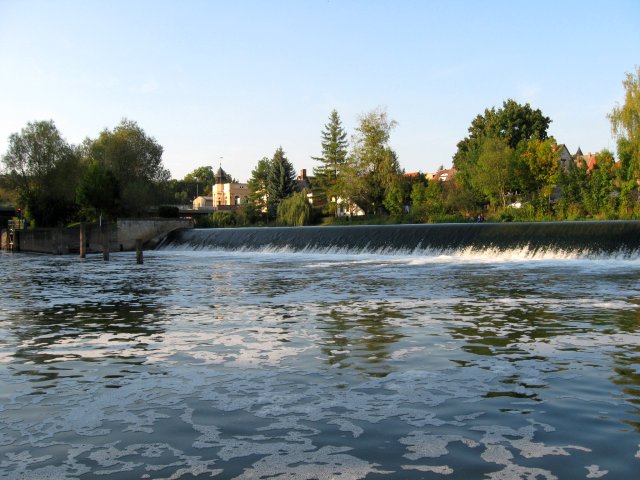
{"x": 361, "y": 338}
{"x": 311, "y": 365}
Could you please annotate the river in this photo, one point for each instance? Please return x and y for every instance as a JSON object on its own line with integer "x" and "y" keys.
{"x": 320, "y": 364}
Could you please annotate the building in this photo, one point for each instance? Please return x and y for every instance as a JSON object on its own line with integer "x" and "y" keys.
{"x": 444, "y": 175}
{"x": 203, "y": 203}
{"x": 226, "y": 194}
{"x": 230, "y": 194}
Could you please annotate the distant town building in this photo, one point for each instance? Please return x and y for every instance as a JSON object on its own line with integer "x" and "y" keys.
{"x": 230, "y": 194}
{"x": 203, "y": 203}
{"x": 225, "y": 194}
{"x": 444, "y": 175}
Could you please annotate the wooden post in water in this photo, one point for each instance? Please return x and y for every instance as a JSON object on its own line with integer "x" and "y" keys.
{"x": 83, "y": 240}
{"x": 105, "y": 242}
{"x": 139, "y": 259}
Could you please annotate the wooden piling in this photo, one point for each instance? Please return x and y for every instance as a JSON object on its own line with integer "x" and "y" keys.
{"x": 105, "y": 242}
{"x": 139, "y": 259}
{"x": 83, "y": 240}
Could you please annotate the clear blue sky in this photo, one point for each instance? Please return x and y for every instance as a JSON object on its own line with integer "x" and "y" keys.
{"x": 237, "y": 79}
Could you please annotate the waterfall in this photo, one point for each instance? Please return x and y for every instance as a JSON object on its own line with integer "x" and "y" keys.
{"x": 582, "y": 238}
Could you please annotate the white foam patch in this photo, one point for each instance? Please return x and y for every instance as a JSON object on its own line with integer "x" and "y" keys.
{"x": 517, "y": 472}
{"x": 425, "y": 445}
{"x": 347, "y": 426}
{"x": 438, "y": 469}
{"x": 595, "y": 472}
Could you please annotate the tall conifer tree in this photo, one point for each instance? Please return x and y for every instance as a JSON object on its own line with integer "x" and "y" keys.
{"x": 280, "y": 181}
{"x": 334, "y": 154}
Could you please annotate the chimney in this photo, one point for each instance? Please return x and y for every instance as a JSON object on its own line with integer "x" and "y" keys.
{"x": 303, "y": 174}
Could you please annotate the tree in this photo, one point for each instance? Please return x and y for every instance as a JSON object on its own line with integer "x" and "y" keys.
{"x": 394, "y": 199}
{"x": 427, "y": 201}
{"x": 280, "y": 181}
{"x": 573, "y": 185}
{"x": 202, "y": 178}
{"x": 542, "y": 161}
{"x": 334, "y": 155}
{"x": 98, "y": 191}
{"x": 625, "y": 125}
{"x": 514, "y": 123}
{"x": 493, "y": 174}
{"x": 295, "y": 210}
{"x": 372, "y": 168}
{"x": 599, "y": 197}
{"x": 257, "y": 184}
{"x": 43, "y": 169}
{"x": 135, "y": 159}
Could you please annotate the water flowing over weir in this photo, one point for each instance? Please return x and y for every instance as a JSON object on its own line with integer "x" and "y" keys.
{"x": 583, "y": 238}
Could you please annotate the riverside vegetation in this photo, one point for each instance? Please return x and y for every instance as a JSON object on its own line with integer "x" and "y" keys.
{"x": 506, "y": 159}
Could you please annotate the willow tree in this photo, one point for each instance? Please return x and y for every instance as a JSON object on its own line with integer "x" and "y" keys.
{"x": 295, "y": 211}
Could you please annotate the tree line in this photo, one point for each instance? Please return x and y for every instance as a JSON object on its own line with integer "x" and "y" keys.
{"x": 117, "y": 174}
{"x": 507, "y": 168}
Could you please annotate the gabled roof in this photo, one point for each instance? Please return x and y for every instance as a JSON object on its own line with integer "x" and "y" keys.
{"x": 445, "y": 175}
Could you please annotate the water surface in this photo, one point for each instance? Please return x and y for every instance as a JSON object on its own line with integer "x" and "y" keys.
{"x": 277, "y": 364}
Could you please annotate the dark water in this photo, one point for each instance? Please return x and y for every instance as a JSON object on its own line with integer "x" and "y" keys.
{"x": 277, "y": 364}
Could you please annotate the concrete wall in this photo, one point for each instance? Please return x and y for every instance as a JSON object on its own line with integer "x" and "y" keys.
{"x": 151, "y": 231}
{"x": 121, "y": 236}
{"x": 59, "y": 241}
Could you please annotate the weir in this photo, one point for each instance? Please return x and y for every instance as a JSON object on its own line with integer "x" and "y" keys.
{"x": 585, "y": 238}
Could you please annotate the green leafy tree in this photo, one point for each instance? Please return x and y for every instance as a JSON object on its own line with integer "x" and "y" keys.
{"x": 372, "y": 168}
{"x": 202, "y": 178}
{"x": 334, "y": 155}
{"x": 573, "y": 185}
{"x": 514, "y": 123}
{"x": 427, "y": 201}
{"x": 625, "y": 123}
{"x": 394, "y": 199}
{"x": 494, "y": 172}
{"x": 600, "y": 197}
{"x": 542, "y": 161}
{"x": 43, "y": 169}
{"x": 280, "y": 181}
{"x": 135, "y": 159}
{"x": 98, "y": 191}
{"x": 295, "y": 210}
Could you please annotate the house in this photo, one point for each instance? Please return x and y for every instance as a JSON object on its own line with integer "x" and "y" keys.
{"x": 346, "y": 208}
{"x": 565, "y": 158}
{"x": 444, "y": 175}
{"x": 203, "y": 203}
{"x": 588, "y": 160}
{"x": 413, "y": 175}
